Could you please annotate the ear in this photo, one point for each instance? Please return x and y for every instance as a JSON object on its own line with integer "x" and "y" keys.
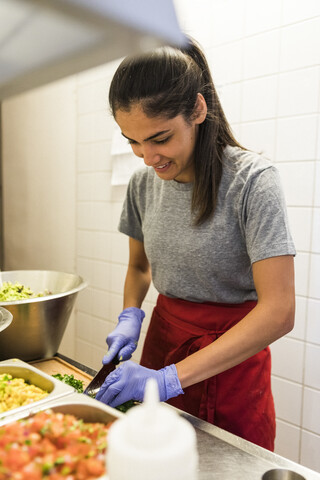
{"x": 200, "y": 110}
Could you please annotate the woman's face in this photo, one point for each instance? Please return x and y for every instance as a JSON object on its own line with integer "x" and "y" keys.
{"x": 167, "y": 145}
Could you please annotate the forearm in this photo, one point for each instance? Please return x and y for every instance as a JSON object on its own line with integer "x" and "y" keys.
{"x": 262, "y": 326}
{"x": 136, "y": 286}
{"x": 123, "y": 340}
{"x": 272, "y": 318}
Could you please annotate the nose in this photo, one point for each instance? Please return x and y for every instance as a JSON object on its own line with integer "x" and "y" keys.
{"x": 149, "y": 155}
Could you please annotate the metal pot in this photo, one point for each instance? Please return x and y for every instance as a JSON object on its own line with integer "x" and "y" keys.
{"x": 38, "y": 323}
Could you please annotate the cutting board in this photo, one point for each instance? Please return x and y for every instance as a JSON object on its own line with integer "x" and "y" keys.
{"x": 54, "y": 365}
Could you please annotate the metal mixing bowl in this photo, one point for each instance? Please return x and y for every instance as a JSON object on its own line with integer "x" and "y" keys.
{"x": 38, "y": 323}
{"x": 282, "y": 474}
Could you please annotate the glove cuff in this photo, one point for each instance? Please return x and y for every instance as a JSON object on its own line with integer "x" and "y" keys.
{"x": 138, "y": 313}
{"x": 172, "y": 382}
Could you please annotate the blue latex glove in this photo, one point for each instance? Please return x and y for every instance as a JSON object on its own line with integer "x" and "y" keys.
{"x": 123, "y": 341}
{"x": 128, "y": 382}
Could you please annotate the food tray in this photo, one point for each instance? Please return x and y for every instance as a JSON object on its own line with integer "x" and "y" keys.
{"x": 78, "y": 404}
{"x": 86, "y": 408}
{"x": 54, "y": 365}
{"x": 20, "y": 369}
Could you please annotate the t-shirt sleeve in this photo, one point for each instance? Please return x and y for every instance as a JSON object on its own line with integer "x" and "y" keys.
{"x": 130, "y": 222}
{"x": 265, "y": 220}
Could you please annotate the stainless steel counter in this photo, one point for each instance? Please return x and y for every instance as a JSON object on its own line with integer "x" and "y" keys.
{"x": 224, "y": 456}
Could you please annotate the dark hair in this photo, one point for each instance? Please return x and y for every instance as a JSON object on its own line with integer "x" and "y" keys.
{"x": 166, "y": 82}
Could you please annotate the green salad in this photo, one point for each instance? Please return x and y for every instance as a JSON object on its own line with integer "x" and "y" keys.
{"x": 11, "y": 292}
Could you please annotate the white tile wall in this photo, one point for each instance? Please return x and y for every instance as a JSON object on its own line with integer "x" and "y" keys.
{"x": 296, "y": 11}
{"x": 297, "y": 180}
{"x": 300, "y": 220}
{"x": 260, "y": 136}
{"x": 312, "y": 366}
{"x": 291, "y": 86}
{"x": 259, "y": 100}
{"x": 315, "y": 239}
{"x": 317, "y": 174}
{"x": 310, "y": 448}
{"x": 302, "y": 272}
{"x": 311, "y": 410}
{"x": 226, "y": 72}
{"x": 313, "y": 324}
{"x": 94, "y": 157}
{"x": 314, "y": 290}
{"x": 262, "y": 16}
{"x": 93, "y": 127}
{"x": 296, "y": 139}
{"x": 287, "y": 359}
{"x": 297, "y": 49}
{"x": 219, "y": 18}
{"x": 287, "y": 441}
{"x": 230, "y": 97}
{"x": 93, "y": 215}
{"x": 266, "y": 65}
{"x": 287, "y": 411}
{"x": 255, "y": 64}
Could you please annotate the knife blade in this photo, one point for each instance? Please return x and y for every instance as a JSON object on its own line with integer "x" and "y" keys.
{"x": 95, "y": 384}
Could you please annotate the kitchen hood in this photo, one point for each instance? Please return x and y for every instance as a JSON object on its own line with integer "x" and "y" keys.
{"x": 44, "y": 40}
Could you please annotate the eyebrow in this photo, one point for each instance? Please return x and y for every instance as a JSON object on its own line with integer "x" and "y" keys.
{"x": 149, "y": 138}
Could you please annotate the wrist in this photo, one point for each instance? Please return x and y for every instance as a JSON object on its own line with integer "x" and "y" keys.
{"x": 172, "y": 382}
{"x": 129, "y": 311}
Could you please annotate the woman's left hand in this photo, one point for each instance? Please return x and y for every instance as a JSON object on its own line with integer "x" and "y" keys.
{"x": 129, "y": 380}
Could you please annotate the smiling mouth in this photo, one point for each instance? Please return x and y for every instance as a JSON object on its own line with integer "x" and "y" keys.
{"x": 160, "y": 167}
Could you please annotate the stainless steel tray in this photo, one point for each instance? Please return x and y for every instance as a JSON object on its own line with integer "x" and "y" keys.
{"x": 78, "y": 404}
{"x": 19, "y": 369}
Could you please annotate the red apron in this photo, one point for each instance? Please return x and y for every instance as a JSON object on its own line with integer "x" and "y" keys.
{"x": 238, "y": 400}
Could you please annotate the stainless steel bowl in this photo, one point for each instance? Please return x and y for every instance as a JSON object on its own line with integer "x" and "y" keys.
{"x": 282, "y": 474}
{"x": 38, "y": 323}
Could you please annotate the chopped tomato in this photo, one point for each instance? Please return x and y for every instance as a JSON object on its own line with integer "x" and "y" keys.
{"x": 16, "y": 459}
{"x": 52, "y": 446}
{"x": 90, "y": 467}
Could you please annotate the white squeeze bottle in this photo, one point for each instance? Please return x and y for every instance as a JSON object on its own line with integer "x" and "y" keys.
{"x": 152, "y": 442}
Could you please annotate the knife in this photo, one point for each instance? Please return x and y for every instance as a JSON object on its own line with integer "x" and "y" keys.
{"x": 95, "y": 384}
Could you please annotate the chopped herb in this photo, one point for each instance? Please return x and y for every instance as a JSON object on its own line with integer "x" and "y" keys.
{"x": 85, "y": 440}
{"x": 70, "y": 380}
{"x": 43, "y": 430}
{"x": 46, "y": 467}
{"x": 127, "y": 405}
{"x": 65, "y": 470}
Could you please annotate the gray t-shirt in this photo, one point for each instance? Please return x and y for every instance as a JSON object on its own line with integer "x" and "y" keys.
{"x": 211, "y": 262}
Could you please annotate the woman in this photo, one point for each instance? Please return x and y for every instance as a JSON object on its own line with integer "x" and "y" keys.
{"x": 206, "y": 222}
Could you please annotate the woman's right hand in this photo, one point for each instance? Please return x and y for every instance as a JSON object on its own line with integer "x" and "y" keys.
{"x": 123, "y": 340}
